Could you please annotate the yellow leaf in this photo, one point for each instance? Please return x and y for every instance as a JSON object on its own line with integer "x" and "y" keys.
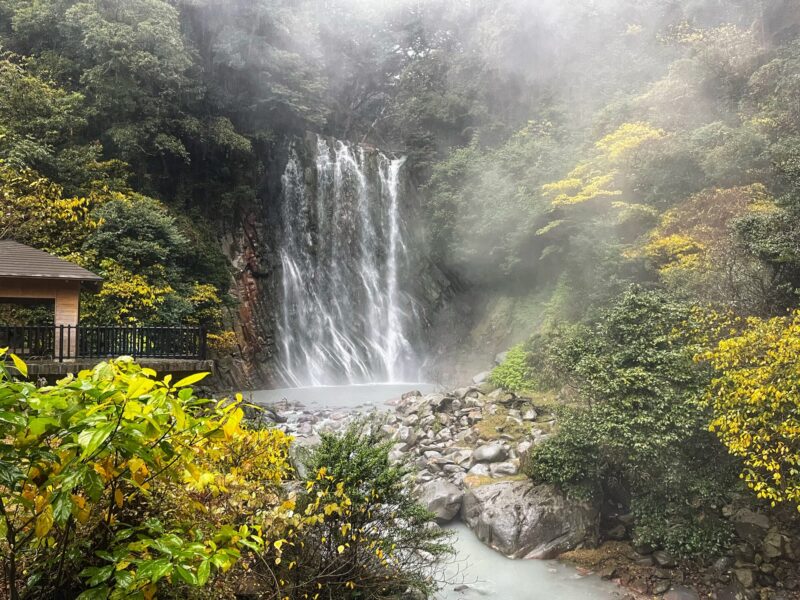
{"x": 118, "y": 498}
{"x": 232, "y": 422}
{"x": 189, "y": 380}
{"x": 20, "y": 365}
{"x": 44, "y": 522}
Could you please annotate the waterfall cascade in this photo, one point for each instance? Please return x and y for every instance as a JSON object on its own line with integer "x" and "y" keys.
{"x": 346, "y": 312}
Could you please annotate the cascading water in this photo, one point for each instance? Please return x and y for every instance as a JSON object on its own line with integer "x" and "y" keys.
{"x": 345, "y": 312}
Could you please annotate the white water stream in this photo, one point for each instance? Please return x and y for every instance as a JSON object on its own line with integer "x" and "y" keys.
{"x": 345, "y": 314}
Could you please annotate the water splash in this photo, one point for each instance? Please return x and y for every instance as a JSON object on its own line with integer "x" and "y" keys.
{"x": 345, "y": 314}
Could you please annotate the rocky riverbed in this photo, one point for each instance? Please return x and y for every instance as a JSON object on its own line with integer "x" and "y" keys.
{"x": 469, "y": 447}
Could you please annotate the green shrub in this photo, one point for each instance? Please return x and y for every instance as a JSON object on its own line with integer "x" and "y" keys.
{"x": 116, "y": 484}
{"x": 381, "y": 545}
{"x": 513, "y": 373}
{"x": 641, "y": 421}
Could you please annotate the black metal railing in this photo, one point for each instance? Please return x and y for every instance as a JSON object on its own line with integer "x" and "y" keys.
{"x": 67, "y": 342}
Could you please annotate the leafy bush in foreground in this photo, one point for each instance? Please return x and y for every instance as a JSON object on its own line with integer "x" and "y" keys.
{"x": 379, "y": 542}
{"x": 103, "y": 478}
{"x": 114, "y": 484}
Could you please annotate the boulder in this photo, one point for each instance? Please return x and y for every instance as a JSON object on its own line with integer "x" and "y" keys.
{"x": 524, "y": 520}
{"x": 479, "y": 470}
{"x": 490, "y": 453}
{"x": 481, "y": 377}
{"x": 442, "y": 498}
{"x": 750, "y": 526}
{"x": 406, "y": 436}
{"x": 504, "y": 469}
{"x": 679, "y": 592}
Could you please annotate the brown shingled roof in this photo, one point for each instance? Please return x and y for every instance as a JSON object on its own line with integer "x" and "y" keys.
{"x": 18, "y": 260}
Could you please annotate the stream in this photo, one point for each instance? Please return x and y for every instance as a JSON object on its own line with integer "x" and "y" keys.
{"x": 479, "y": 573}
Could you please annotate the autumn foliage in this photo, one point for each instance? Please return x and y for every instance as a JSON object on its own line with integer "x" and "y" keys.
{"x": 117, "y": 484}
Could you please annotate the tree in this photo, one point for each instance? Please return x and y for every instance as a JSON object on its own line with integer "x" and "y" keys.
{"x": 756, "y": 411}
{"x": 639, "y": 421}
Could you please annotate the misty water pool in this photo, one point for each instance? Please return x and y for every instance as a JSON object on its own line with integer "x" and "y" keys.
{"x": 476, "y": 572}
{"x": 347, "y": 397}
{"x": 479, "y": 573}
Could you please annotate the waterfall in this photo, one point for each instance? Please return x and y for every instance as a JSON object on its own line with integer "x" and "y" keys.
{"x": 345, "y": 313}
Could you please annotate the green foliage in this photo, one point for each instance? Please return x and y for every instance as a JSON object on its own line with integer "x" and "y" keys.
{"x": 640, "y": 419}
{"x": 513, "y": 373}
{"x": 137, "y": 233}
{"x": 99, "y": 476}
{"x": 383, "y": 544}
{"x": 484, "y": 205}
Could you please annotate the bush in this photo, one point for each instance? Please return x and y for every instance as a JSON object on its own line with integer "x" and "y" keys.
{"x": 373, "y": 540}
{"x": 641, "y": 420}
{"x": 513, "y": 374}
{"x": 115, "y": 484}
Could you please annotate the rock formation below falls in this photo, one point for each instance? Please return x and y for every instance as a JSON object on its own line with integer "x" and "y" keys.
{"x": 467, "y": 447}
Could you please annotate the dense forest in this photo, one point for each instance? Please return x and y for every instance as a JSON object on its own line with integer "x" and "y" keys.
{"x": 613, "y": 186}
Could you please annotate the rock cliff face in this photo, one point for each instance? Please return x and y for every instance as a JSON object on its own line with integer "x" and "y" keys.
{"x": 254, "y": 242}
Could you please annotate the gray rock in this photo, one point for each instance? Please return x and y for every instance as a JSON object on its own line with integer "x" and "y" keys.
{"x": 504, "y": 469}
{"x": 479, "y": 470}
{"x": 406, "y": 436}
{"x": 773, "y": 544}
{"x": 679, "y": 592}
{"x": 750, "y": 526}
{"x": 529, "y": 415}
{"x": 745, "y": 577}
{"x": 411, "y": 420}
{"x": 481, "y": 377}
{"x": 444, "y": 435}
{"x": 396, "y": 457}
{"x": 461, "y": 393}
{"x": 661, "y": 586}
{"x": 442, "y": 498}
{"x": 664, "y": 559}
{"x": 523, "y": 448}
{"x": 500, "y": 358}
{"x": 460, "y": 456}
{"x": 490, "y": 453}
{"x": 523, "y": 520}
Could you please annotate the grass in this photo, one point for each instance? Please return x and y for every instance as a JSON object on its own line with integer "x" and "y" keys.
{"x": 494, "y": 427}
{"x": 475, "y": 481}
